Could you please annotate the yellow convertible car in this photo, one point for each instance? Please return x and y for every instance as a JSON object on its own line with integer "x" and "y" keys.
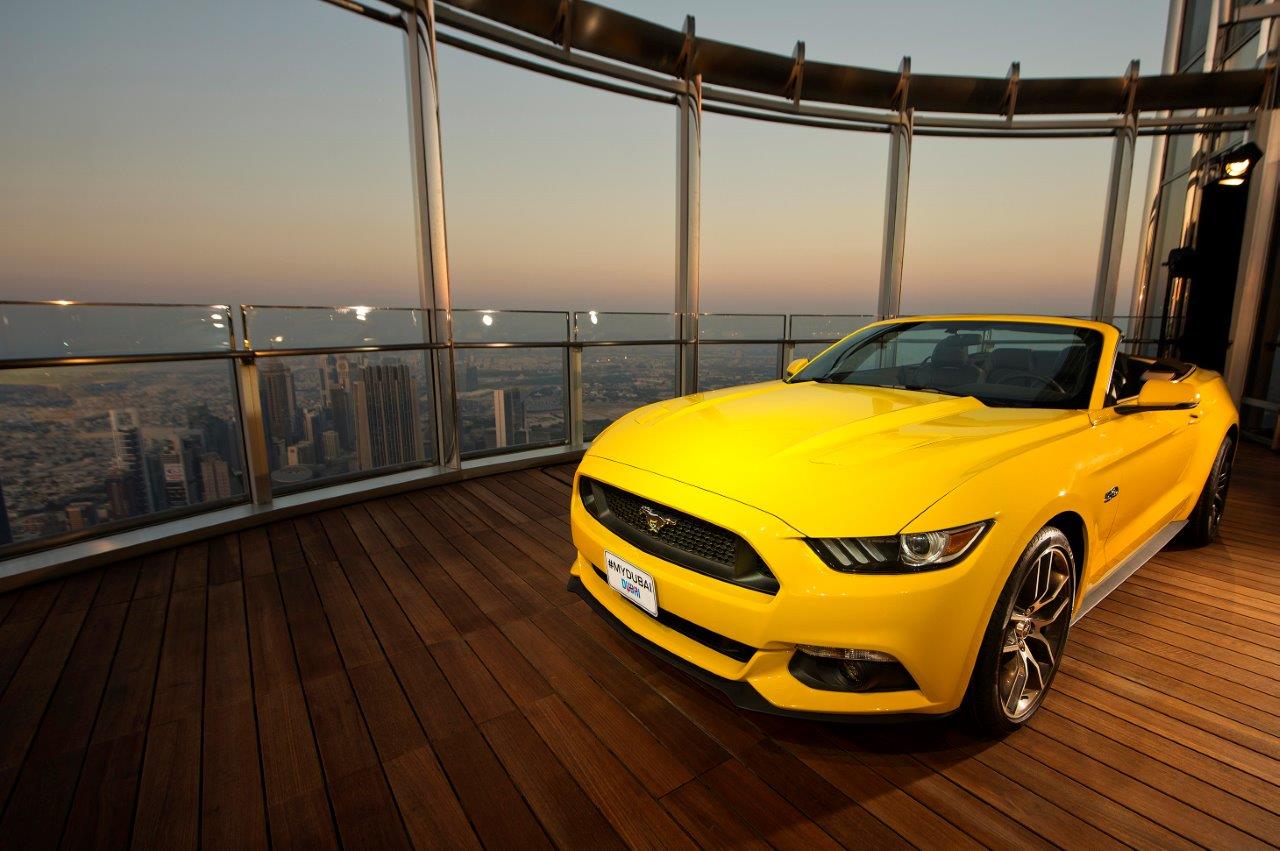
{"x": 909, "y": 523}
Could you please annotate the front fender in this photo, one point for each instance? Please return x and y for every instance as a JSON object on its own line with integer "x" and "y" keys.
{"x": 1021, "y": 495}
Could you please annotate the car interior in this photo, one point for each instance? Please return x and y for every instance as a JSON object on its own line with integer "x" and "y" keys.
{"x": 959, "y": 364}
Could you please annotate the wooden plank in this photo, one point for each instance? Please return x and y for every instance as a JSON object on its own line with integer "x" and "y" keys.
{"x": 709, "y": 820}
{"x": 168, "y": 812}
{"x": 631, "y": 742}
{"x": 41, "y": 798}
{"x": 28, "y": 694}
{"x": 298, "y": 808}
{"x": 500, "y": 815}
{"x": 224, "y": 560}
{"x": 117, "y": 583}
{"x": 768, "y": 813}
{"x": 563, "y": 808}
{"x": 622, "y": 799}
{"x": 233, "y": 809}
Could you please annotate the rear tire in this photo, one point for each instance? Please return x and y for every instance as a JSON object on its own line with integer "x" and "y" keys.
{"x": 1206, "y": 518}
{"x": 1023, "y": 644}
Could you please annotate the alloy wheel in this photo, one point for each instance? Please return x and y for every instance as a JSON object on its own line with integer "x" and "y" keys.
{"x": 1034, "y": 634}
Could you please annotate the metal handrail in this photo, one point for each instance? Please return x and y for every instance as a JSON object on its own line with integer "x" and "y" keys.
{"x": 244, "y": 392}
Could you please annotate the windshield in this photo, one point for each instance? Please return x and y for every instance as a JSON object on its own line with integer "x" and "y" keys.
{"x": 1024, "y": 364}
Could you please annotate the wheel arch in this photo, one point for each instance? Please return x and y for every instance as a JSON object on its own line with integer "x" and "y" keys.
{"x": 1072, "y": 524}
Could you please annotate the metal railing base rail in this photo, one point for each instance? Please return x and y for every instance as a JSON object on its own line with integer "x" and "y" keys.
{"x": 82, "y": 555}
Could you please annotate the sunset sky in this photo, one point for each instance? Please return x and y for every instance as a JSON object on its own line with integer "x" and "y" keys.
{"x": 256, "y": 151}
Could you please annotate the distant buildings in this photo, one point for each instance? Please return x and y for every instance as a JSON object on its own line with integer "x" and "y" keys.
{"x": 215, "y": 477}
{"x": 509, "y": 418}
{"x": 135, "y": 494}
{"x": 386, "y": 407}
{"x": 279, "y": 402}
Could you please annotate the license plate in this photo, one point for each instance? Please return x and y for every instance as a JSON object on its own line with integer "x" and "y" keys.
{"x": 632, "y": 582}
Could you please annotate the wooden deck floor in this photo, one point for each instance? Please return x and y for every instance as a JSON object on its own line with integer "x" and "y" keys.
{"x": 412, "y": 671}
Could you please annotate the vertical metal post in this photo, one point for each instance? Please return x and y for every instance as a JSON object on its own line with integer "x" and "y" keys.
{"x": 895, "y": 218}
{"x": 253, "y": 431}
{"x": 433, "y": 258}
{"x": 1148, "y": 265}
{"x": 1114, "y": 215}
{"x": 688, "y": 218}
{"x": 688, "y": 224}
{"x": 1259, "y": 224}
{"x": 576, "y": 429}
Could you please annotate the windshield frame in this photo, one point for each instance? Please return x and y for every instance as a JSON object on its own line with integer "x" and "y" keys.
{"x": 1099, "y": 344}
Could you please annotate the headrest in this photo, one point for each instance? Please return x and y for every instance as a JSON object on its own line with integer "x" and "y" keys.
{"x": 1017, "y": 359}
{"x": 948, "y": 353}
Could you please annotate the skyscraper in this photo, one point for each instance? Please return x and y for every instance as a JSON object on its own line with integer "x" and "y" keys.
{"x": 217, "y": 433}
{"x": 275, "y": 384}
{"x": 215, "y": 477}
{"x": 330, "y": 446}
{"x": 126, "y": 437}
{"x": 508, "y": 418}
{"x": 387, "y": 427}
{"x": 178, "y": 465}
{"x": 342, "y": 417}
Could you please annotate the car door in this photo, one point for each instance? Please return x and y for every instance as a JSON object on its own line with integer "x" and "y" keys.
{"x": 1148, "y": 455}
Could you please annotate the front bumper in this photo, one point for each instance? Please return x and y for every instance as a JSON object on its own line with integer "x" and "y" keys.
{"x": 931, "y": 622}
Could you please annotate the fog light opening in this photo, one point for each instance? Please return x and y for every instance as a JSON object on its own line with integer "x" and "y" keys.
{"x": 849, "y": 669}
{"x": 855, "y": 673}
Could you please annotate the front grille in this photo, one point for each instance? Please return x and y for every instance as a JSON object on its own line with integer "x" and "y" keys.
{"x": 681, "y": 539}
{"x": 722, "y": 644}
{"x": 688, "y": 533}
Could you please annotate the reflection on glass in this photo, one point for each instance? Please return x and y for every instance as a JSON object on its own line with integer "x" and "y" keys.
{"x": 509, "y": 398}
{"x": 595, "y": 326}
{"x": 333, "y": 416}
{"x": 619, "y": 379}
{"x": 76, "y": 330}
{"x": 827, "y": 327}
{"x": 809, "y": 350}
{"x": 508, "y": 326}
{"x": 99, "y": 446}
{"x": 332, "y": 327}
{"x": 727, "y": 365}
{"x": 742, "y": 326}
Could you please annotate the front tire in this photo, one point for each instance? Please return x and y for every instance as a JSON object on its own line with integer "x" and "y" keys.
{"x": 1024, "y": 641}
{"x": 1202, "y": 526}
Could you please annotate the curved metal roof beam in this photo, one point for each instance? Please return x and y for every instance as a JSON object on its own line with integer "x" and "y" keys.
{"x": 625, "y": 39}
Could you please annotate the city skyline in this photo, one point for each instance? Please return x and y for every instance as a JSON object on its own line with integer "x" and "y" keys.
{"x": 90, "y": 446}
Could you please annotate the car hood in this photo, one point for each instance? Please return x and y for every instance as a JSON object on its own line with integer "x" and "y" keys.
{"x": 828, "y": 459}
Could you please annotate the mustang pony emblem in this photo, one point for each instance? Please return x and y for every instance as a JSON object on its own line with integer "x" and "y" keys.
{"x": 655, "y": 521}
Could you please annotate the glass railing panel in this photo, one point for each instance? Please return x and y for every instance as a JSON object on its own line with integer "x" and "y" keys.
{"x": 618, "y": 379}
{"x": 269, "y": 327}
{"x": 809, "y": 350}
{"x": 591, "y": 326}
{"x": 508, "y": 326}
{"x": 86, "y": 450}
{"x": 510, "y": 398}
{"x": 331, "y": 417}
{"x": 816, "y": 327}
{"x": 91, "y": 330}
{"x": 742, "y": 326}
{"x": 728, "y": 365}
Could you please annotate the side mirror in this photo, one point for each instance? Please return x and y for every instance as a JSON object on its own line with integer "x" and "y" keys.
{"x": 1161, "y": 394}
{"x": 795, "y": 366}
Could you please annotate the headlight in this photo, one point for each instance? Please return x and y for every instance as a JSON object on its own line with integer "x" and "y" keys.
{"x": 909, "y": 553}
